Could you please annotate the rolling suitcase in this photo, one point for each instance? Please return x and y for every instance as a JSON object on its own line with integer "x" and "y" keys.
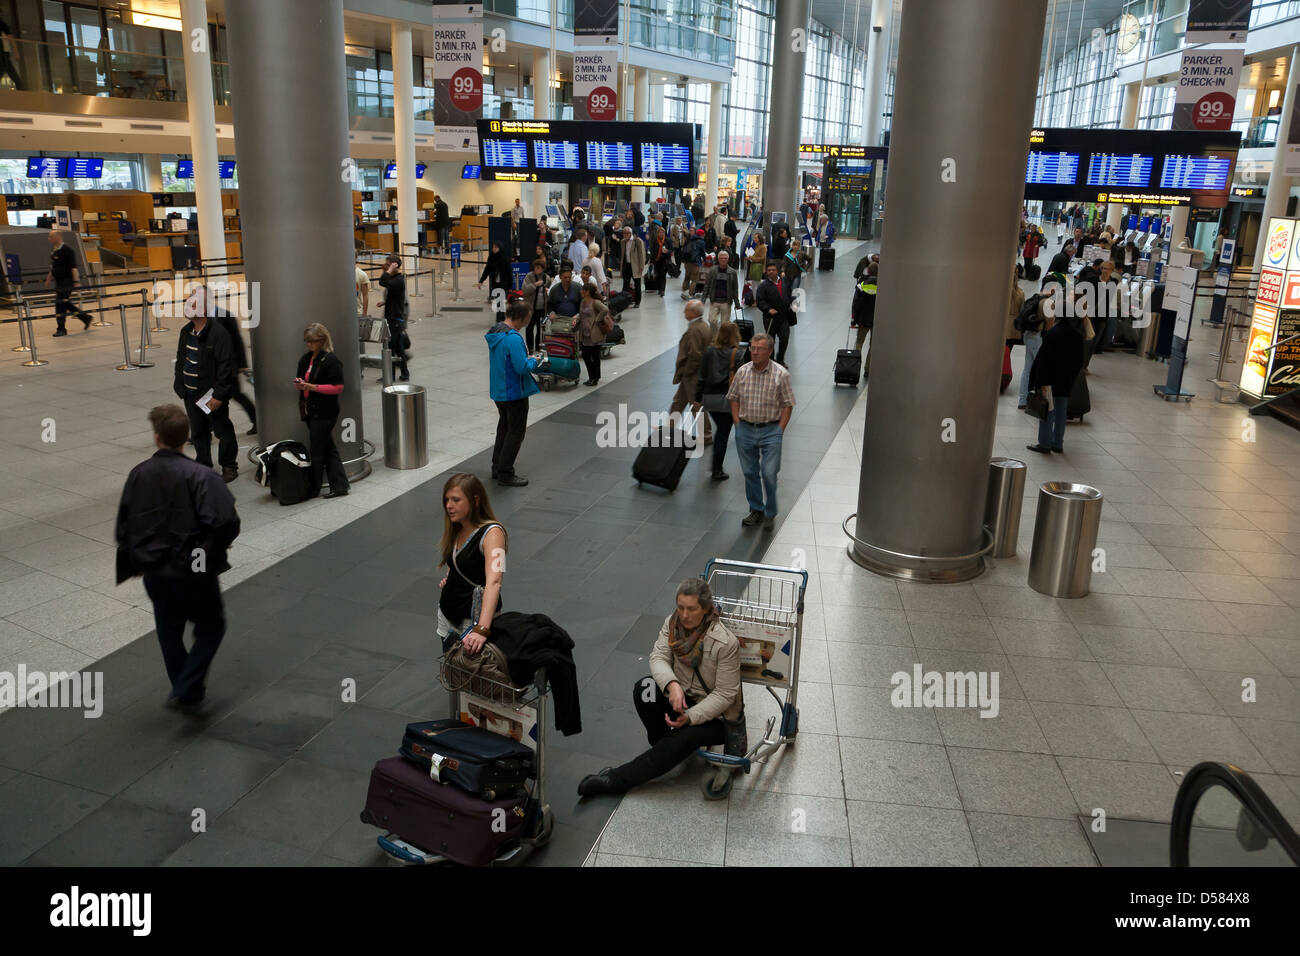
{"x": 848, "y": 364}
{"x": 441, "y": 819}
{"x": 744, "y": 325}
{"x": 662, "y": 464}
{"x": 620, "y": 302}
{"x": 826, "y": 260}
{"x": 469, "y": 757}
{"x": 1080, "y": 401}
{"x": 1006, "y": 369}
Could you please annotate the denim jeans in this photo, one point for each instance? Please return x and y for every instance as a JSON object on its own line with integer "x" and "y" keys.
{"x": 1033, "y": 342}
{"x": 759, "y": 449}
{"x": 1051, "y": 430}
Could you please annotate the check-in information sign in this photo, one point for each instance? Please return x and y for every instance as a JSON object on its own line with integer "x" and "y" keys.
{"x": 1207, "y": 89}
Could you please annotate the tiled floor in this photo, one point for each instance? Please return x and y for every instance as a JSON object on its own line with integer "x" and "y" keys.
{"x": 1105, "y": 700}
{"x": 587, "y": 546}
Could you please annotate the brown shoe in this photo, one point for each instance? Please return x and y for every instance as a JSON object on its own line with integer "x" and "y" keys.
{"x": 229, "y": 474}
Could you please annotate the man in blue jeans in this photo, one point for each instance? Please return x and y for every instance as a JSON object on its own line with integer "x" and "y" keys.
{"x": 762, "y": 400}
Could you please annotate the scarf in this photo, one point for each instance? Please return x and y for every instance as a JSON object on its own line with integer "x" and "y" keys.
{"x": 687, "y": 647}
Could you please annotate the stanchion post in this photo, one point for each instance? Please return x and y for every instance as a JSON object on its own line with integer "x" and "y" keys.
{"x": 455, "y": 284}
{"x": 99, "y": 297}
{"x": 19, "y": 305}
{"x": 387, "y": 363}
{"x": 144, "y": 342}
{"x": 144, "y": 300}
{"x": 34, "y": 361}
{"x": 433, "y": 284}
{"x": 127, "y": 364}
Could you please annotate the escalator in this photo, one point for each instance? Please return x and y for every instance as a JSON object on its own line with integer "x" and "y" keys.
{"x": 1222, "y": 818}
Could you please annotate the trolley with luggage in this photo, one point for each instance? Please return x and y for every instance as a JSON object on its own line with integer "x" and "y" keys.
{"x": 762, "y": 605}
{"x": 468, "y": 789}
{"x": 373, "y": 339}
{"x": 560, "y": 343}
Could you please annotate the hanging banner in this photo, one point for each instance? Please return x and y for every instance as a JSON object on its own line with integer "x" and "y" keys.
{"x": 595, "y": 59}
{"x": 1217, "y": 21}
{"x": 457, "y": 75}
{"x": 1291, "y": 159}
{"x": 1207, "y": 89}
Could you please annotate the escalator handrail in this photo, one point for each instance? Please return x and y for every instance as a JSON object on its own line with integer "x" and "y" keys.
{"x": 1205, "y": 775}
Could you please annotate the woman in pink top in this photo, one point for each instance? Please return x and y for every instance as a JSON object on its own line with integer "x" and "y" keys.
{"x": 319, "y": 383}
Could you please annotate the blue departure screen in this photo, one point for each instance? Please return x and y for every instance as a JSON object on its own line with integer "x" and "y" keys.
{"x": 85, "y": 167}
{"x": 610, "y": 157}
{"x": 555, "y": 154}
{"x": 185, "y": 169}
{"x": 226, "y": 169}
{"x": 1195, "y": 172}
{"x": 506, "y": 153}
{"x": 1132, "y": 170}
{"x": 658, "y": 159}
{"x": 1052, "y": 169}
{"x": 47, "y": 167}
{"x": 471, "y": 171}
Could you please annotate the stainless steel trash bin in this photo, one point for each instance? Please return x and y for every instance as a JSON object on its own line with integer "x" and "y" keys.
{"x": 1065, "y": 534}
{"x": 406, "y": 441}
{"x": 1005, "y": 500}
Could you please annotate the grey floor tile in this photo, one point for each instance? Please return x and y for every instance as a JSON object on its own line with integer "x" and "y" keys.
{"x": 672, "y": 823}
{"x": 935, "y": 629}
{"x": 810, "y": 766}
{"x": 1129, "y": 645}
{"x": 998, "y": 780}
{"x": 1074, "y": 682}
{"x": 1277, "y": 740}
{"x": 1214, "y": 652}
{"x": 225, "y": 847}
{"x": 37, "y": 811}
{"x": 867, "y": 664}
{"x": 772, "y": 829}
{"x": 869, "y": 712}
{"x": 1079, "y": 730}
{"x": 852, "y": 624}
{"x": 963, "y": 662}
{"x": 1161, "y": 688}
{"x": 275, "y": 807}
{"x": 1019, "y": 602}
{"x": 278, "y": 721}
{"x": 864, "y": 592}
{"x": 618, "y": 859}
{"x": 1232, "y": 589}
{"x": 1281, "y": 653}
{"x": 1002, "y": 840}
{"x": 890, "y": 771}
{"x": 1207, "y": 560}
{"x": 1014, "y": 728}
{"x": 208, "y": 774}
{"x": 1119, "y": 610}
{"x": 1142, "y": 582}
{"x": 886, "y": 834}
{"x": 1172, "y": 614}
{"x": 944, "y": 598}
{"x": 1184, "y": 740}
{"x": 1026, "y": 638}
{"x": 1142, "y": 791}
{"x": 119, "y": 833}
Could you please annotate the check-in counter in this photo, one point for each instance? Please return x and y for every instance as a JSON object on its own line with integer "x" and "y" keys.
{"x": 471, "y": 230}
{"x": 381, "y": 235}
{"x": 154, "y": 249}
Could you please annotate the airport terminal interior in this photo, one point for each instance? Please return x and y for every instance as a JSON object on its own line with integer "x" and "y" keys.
{"x": 978, "y": 503}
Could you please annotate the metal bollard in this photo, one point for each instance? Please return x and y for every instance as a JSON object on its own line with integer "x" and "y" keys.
{"x": 1006, "y": 498}
{"x": 1065, "y": 534}
{"x": 433, "y": 283}
{"x": 22, "y": 345}
{"x": 127, "y": 364}
{"x": 144, "y": 343}
{"x": 99, "y": 298}
{"x": 386, "y": 366}
{"x": 405, "y": 416}
{"x": 32, "y": 362}
{"x": 455, "y": 284}
{"x": 157, "y": 326}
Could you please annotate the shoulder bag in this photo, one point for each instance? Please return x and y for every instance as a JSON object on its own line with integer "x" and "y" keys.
{"x": 736, "y": 741}
{"x": 476, "y": 603}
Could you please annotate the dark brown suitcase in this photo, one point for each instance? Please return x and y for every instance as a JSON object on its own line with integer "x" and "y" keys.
{"x": 439, "y": 818}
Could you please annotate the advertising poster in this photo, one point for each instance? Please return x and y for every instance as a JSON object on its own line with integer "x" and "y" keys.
{"x": 595, "y": 60}
{"x": 517, "y": 723}
{"x": 1217, "y": 21}
{"x": 1284, "y": 372}
{"x": 1207, "y": 89}
{"x": 1270, "y": 286}
{"x": 764, "y": 652}
{"x": 1290, "y": 295}
{"x": 1254, "y": 369}
{"x": 457, "y": 75}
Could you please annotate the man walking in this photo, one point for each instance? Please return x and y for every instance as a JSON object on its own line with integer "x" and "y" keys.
{"x": 762, "y": 400}
{"x": 633, "y": 264}
{"x": 511, "y": 382}
{"x": 692, "y": 259}
{"x": 721, "y": 291}
{"x": 773, "y": 300}
{"x": 204, "y": 380}
{"x": 174, "y": 525}
{"x": 64, "y": 276}
{"x": 442, "y": 225}
{"x": 690, "y": 352}
{"x": 394, "y": 284}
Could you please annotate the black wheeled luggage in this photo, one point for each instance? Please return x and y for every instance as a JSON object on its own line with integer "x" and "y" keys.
{"x": 441, "y": 819}
{"x": 1080, "y": 400}
{"x": 848, "y": 363}
{"x": 619, "y": 302}
{"x": 826, "y": 260}
{"x": 469, "y": 757}
{"x": 745, "y": 326}
{"x": 662, "y": 462}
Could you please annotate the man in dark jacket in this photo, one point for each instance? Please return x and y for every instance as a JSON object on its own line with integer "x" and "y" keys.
{"x": 1059, "y": 363}
{"x": 207, "y": 301}
{"x": 773, "y": 300}
{"x": 692, "y": 259}
{"x": 174, "y": 525}
{"x": 65, "y": 277}
{"x": 394, "y": 284}
{"x": 204, "y": 380}
{"x": 721, "y": 291}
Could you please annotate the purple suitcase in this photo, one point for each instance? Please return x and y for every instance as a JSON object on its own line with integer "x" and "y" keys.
{"x": 439, "y": 818}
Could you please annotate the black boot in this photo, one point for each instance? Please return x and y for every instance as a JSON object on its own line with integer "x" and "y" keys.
{"x": 595, "y": 784}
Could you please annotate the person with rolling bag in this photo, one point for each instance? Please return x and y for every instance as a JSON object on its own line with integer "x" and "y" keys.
{"x": 864, "y": 318}
{"x": 717, "y": 369}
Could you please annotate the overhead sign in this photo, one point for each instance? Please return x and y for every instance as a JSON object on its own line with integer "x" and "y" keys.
{"x": 457, "y": 74}
{"x": 595, "y": 60}
{"x": 1217, "y": 21}
{"x": 838, "y": 151}
{"x": 1207, "y": 89}
{"x": 1247, "y": 192}
{"x": 575, "y": 151}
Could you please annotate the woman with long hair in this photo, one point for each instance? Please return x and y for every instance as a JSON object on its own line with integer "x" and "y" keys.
{"x": 473, "y": 549}
{"x": 594, "y": 323}
{"x": 659, "y": 256}
{"x": 320, "y": 382}
{"x": 717, "y": 368}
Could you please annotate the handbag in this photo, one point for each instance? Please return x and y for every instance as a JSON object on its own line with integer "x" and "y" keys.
{"x": 1036, "y": 405}
{"x": 484, "y": 674}
{"x": 735, "y": 733}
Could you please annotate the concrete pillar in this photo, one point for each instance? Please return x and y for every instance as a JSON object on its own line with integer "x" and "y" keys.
{"x": 542, "y": 97}
{"x": 404, "y": 140}
{"x": 882, "y": 16}
{"x": 297, "y": 228}
{"x": 641, "y": 94}
{"x": 203, "y": 130}
{"x": 784, "y": 118}
{"x": 929, "y": 424}
{"x": 1279, "y": 186}
{"x": 1128, "y": 117}
{"x": 1114, "y": 214}
{"x": 1178, "y": 217}
{"x": 151, "y": 163}
{"x": 715, "y": 146}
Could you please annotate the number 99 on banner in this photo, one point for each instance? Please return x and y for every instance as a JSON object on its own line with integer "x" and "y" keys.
{"x": 466, "y": 87}
{"x": 1213, "y": 111}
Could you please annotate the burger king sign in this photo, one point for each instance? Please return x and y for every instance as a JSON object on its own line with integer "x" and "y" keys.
{"x": 1278, "y": 249}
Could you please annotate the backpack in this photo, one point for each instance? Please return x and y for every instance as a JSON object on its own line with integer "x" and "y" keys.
{"x": 1028, "y": 319}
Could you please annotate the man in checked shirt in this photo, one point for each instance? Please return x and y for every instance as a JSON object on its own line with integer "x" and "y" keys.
{"x": 762, "y": 400}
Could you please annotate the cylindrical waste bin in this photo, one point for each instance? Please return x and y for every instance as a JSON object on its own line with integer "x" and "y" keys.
{"x": 406, "y": 440}
{"x": 1065, "y": 534}
{"x": 1002, "y": 508}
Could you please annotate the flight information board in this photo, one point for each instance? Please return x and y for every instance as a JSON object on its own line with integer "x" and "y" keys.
{"x": 1195, "y": 172}
{"x": 47, "y": 167}
{"x": 600, "y": 153}
{"x": 85, "y": 167}
{"x": 1131, "y": 170}
{"x": 611, "y": 157}
{"x": 1056, "y": 169}
{"x": 1196, "y": 166}
{"x": 226, "y": 169}
{"x": 556, "y": 154}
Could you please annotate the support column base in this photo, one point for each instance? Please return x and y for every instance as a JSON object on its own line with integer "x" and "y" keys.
{"x": 935, "y": 569}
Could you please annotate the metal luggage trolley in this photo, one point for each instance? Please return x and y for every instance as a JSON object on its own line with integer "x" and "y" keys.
{"x": 515, "y": 712}
{"x": 563, "y": 348}
{"x": 762, "y": 604}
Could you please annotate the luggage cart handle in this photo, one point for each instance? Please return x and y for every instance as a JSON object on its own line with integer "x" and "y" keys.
{"x": 749, "y": 566}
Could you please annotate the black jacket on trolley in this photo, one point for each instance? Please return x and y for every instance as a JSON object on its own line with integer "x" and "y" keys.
{"x": 328, "y": 370}
{"x": 172, "y": 506}
{"x": 530, "y": 641}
